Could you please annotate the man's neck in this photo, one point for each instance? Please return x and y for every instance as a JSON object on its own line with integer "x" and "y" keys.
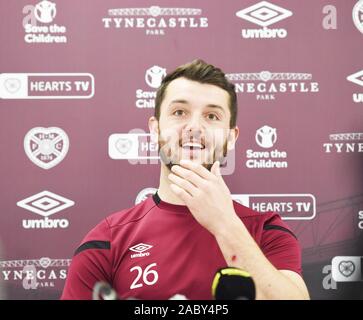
{"x": 164, "y": 192}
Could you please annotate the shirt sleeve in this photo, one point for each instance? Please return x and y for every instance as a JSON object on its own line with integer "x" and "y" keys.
{"x": 91, "y": 263}
{"x": 280, "y": 245}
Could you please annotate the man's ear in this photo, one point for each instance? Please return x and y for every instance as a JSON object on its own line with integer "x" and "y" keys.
{"x": 154, "y": 129}
{"x": 232, "y": 137}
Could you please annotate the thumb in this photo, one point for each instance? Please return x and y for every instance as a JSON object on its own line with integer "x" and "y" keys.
{"x": 215, "y": 169}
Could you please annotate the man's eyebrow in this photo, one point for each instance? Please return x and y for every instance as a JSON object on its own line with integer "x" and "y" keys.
{"x": 182, "y": 101}
{"x": 179, "y": 101}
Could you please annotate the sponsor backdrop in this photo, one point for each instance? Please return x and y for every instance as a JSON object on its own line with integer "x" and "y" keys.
{"x": 77, "y": 84}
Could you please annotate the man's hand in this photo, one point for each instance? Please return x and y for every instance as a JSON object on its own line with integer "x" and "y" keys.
{"x": 210, "y": 202}
{"x": 204, "y": 193}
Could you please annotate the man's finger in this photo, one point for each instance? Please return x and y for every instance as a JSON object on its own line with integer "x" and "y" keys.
{"x": 216, "y": 169}
{"x": 197, "y": 168}
{"x": 181, "y": 193}
{"x": 189, "y": 175}
{"x": 183, "y": 183}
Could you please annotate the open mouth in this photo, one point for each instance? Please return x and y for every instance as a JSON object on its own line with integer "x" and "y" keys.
{"x": 191, "y": 145}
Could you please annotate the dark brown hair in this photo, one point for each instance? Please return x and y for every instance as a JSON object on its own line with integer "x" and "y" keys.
{"x": 202, "y": 72}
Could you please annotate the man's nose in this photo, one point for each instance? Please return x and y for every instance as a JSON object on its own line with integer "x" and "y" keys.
{"x": 194, "y": 125}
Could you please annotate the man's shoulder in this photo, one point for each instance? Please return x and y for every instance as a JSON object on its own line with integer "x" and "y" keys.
{"x": 131, "y": 214}
{"x": 269, "y": 222}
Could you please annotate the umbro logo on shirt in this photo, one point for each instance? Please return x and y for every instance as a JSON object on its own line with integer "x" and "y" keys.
{"x": 140, "y": 249}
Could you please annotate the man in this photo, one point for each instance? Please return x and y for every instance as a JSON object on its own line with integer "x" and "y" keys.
{"x": 191, "y": 227}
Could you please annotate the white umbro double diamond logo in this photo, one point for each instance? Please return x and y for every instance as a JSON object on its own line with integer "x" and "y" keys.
{"x": 45, "y": 203}
{"x": 264, "y": 13}
{"x": 141, "y": 247}
{"x": 356, "y": 78}
{"x": 140, "y": 250}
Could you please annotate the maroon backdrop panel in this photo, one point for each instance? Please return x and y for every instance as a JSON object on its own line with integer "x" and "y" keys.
{"x": 77, "y": 85}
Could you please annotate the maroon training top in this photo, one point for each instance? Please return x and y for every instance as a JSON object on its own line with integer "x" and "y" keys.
{"x": 156, "y": 250}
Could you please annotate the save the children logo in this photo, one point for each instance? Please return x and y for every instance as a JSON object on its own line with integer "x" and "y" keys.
{"x": 39, "y": 24}
{"x": 266, "y": 138}
{"x": 153, "y": 78}
{"x": 45, "y": 11}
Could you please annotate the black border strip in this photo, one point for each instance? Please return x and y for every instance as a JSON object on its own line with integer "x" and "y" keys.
{"x": 156, "y": 198}
{"x": 96, "y": 244}
{"x": 275, "y": 227}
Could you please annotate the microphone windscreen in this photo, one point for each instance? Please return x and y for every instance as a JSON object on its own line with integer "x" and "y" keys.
{"x": 233, "y": 284}
{"x": 103, "y": 291}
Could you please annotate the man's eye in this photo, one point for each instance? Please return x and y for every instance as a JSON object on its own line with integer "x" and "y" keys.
{"x": 179, "y": 113}
{"x": 212, "y": 116}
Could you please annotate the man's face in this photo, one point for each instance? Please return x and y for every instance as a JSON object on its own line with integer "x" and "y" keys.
{"x": 194, "y": 123}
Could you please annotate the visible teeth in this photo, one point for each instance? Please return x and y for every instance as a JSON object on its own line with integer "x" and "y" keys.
{"x": 192, "y": 145}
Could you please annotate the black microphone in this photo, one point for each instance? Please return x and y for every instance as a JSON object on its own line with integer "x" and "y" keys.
{"x": 233, "y": 284}
{"x": 103, "y": 291}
